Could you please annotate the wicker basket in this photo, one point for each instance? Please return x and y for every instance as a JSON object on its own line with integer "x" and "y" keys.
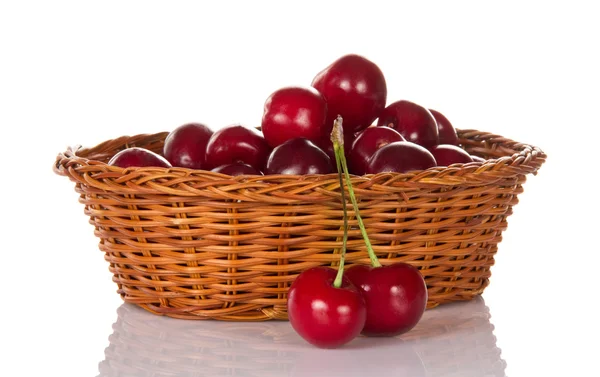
{"x": 195, "y": 244}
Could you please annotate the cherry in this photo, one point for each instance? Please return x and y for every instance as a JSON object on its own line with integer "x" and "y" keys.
{"x": 413, "y": 121}
{"x": 447, "y": 133}
{"x": 237, "y": 168}
{"x": 366, "y": 144}
{"x": 237, "y": 143}
{"x": 447, "y": 154}
{"x": 298, "y": 156}
{"x": 185, "y": 146}
{"x": 400, "y": 157}
{"x": 355, "y": 88}
{"x": 395, "y": 295}
{"x": 294, "y": 112}
{"x": 138, "y": 157}
{"x": 322, "y": 314}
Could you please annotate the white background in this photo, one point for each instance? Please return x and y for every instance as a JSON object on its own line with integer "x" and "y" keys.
{"x": 77, "y": 72}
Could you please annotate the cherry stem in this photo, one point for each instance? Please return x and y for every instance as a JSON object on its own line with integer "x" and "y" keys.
{"x": 337, "y": 137}
{"x": 337, "y": 283}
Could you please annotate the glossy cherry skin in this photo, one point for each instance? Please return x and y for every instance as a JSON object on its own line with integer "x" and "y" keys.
{"x": 355, "y": 88}
{"x": 477, "y": 158}
{"x": 447, "y": 133}
{"x": 138, "y": 157}
{"x": 185, "y": 146}
{"x": 413, "y": 121}
{"x": 447, "y": 154}
{"x": 366, "y": 144}
{"x": 237, "y": 143}
{"x": 396, "y": 297}
{"x": 400, "y": 157}
{"x": 294, "y": 112}
{"x": 298, "y": 156}
{"x": 323, "y": 315}
{"x": 237, "y": 168}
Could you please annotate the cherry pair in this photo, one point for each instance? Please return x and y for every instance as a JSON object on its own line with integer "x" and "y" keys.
{"x": 329, "y": 308}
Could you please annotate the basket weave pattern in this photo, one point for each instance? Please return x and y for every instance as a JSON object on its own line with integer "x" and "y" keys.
{"x": 197, "y": 245}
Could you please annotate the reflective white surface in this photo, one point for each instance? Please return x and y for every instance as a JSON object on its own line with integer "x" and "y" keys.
{"x": 452, "y": 340}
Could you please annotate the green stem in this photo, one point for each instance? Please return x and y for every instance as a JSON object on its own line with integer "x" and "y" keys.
{"x": 338, "y": 147}
{"x": 337, "y": 283}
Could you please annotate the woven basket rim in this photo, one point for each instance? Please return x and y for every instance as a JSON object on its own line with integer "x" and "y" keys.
{"x": 515, "y": 158}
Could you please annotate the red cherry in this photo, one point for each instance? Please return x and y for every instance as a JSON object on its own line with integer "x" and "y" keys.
{"x": 447, "y": 133}
{"x": 400, "y": 157}
{"x": 138, "y": 157}
{"x": 294, "y": 112}
{"x": 354, "y": 88}
{"x": 366, "y": 144}
{"x": 185, "y": 146}
{"x": 298, "y": 156}
{"x": 396, "y": 297}
{"x": 237, "y": 143}
{"x": 477, "y": 158}
{"x": 323, "y": 315}
{"x": 446, "y": 155}
{"x": 237, "y": 168}
{"x": 413, "y": 121}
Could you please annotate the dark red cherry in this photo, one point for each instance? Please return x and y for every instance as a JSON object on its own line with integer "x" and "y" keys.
{"x": 413, "y": 121}
{"x": 400, "y": 157}
{"x": 138, "y": 157}
{"x": 396, "y": 297}
{"x": 294, "y": 112}
{"x": 185, "y": 146}
{"x": 298, "y": 156}
{"x": 447, "y": 133}
{"x": 446, "y": 155}
{"x": 237, "y": 143}
{"x": 355, "y": 88}
{"x": 237, "y": 168}
{"x": 323, "y": 315}
{"x": 366, "y": 144}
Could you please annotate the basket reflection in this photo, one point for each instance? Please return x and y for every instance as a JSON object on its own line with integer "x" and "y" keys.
{"x": 457, "y": 340}
{"x": 452, "y": 340}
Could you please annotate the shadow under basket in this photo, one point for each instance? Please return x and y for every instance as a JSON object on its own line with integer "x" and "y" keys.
{"x": 195, "y": 244}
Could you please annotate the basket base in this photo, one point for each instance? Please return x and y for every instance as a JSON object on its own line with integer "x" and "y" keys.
{"x": 255, "y": 313}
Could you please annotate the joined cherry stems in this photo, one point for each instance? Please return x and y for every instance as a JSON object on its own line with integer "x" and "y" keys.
{"x": 337, "y": 138}
{"x": 337, "y": 283}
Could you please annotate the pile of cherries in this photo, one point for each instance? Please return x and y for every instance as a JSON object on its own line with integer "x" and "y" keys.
{"x": 302, "y": 133}
{"x": 296, "y": 127}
